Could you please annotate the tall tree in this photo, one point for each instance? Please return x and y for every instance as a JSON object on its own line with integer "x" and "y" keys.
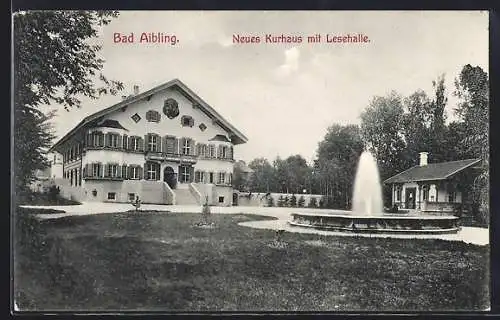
{"x": 417, "y": 124}
{"x": 472, "y": 88}
{"x": 338, "y": 155}
{"x": 382, "y": 130}
{"x": 263, "y": 175}
{"x": 54, "y": 61}
{"x": 438, "y": 127}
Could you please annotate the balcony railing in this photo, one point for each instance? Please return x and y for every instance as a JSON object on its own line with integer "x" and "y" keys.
{"x": 175, "y": 157}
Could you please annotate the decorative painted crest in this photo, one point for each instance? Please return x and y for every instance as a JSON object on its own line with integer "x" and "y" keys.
{"x": 171, "y": 108}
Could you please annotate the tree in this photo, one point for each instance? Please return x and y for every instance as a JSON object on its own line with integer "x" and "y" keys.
{"x": 338, "y": 154}
{"x": 293, "y": 201}
{"x": 54, "y": 61}
{"x": 301, "y": 201}
{"x": 438, "y": 127}
{"x": 262, "y": 176}
{"x": 472, "y": 88}
{"x": 382, "y": 129}
{"x": 417, "y": 124}
{"x": 312, "y": 203}
{"x": 281, "y": 201}
{"x": 270, "y": 201}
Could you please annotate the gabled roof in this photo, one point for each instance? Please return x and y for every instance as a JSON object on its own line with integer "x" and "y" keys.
{"x": 219, "y": 137}
{"x": 432, "y": 171}
{"x": 236, "y": 136}
{"x": 109, "y": 124}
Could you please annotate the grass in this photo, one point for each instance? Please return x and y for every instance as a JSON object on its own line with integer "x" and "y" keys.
{"x": 45, "y": 199}
{"x": 126, "y": 261}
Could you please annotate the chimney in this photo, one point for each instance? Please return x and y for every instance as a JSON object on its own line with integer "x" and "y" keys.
{"x": 423, "y": 158}
{"x": 136, "y": 90}
{"x": 124, "y": 97}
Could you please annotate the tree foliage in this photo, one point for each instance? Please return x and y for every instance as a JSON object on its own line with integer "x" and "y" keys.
{"x": 55, "y": 61}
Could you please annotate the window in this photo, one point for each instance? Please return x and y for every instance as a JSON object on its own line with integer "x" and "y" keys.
{"x": 153, "y": 116}
{"x": 202, "y": 127}
{"x": 187, "y": 121}
{"x": 96, "y": 139}
{"x": 185, "y": 174}
{"x": 197, "y": 176}
{"x": 452, "y": 196}
{"x": 211, "y": 177}
{"x": 398, "y": 193}
{"x": 186, "y": 147}
{"x": 111, "y": 195}
{"x": 134, "y": 172}
{"x": 224, "y": 152}
{"x": 134, "y": 143}
{"x": 151, "y": 171}
{"x": 221, "y": 177}
{"x": 136, "y": 118}
{"x": 131, "y": 196}
{"x": 113, "y": 140}
{"x": 230, "y": 178}
{"x": 221, "y": 199}
{"x": 95, "y": 169}
{"x": 112, "y": 170}
{"x": 212, "y": 151}
{"x": 152, "y": 142}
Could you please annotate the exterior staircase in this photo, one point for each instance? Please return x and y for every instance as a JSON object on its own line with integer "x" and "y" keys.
{"x": 184, "y": 197}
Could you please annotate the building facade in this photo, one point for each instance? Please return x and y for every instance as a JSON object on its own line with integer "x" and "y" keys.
{"x": 165, "y": 146}
{"x": 434, "y": 187}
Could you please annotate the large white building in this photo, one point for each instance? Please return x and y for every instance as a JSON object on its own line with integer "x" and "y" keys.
{"x": 165, "y": 145}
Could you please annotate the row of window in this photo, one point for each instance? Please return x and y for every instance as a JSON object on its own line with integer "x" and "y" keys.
{"x": 154, "y": 143}
{"x": 73, "y": 153}
{"x": 74, "y": 176}
{"x": 152, "y": 172}
{"x": 425, "y": 196}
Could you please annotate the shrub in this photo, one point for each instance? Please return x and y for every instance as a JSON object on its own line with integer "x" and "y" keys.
{"x": 286, "y": 201}
{"x": 54, "y": 192}
{"x": 313, "y": 203}
{"x": 301, "y": 202}
{"x": 281, "y": 201}
{"x": 270, "y": 201}
{"x": 293, "y": 201}
{"x": 322, "y": 202}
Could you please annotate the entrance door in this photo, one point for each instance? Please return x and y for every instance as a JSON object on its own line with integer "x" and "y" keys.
{"x": 410, "y": 198}
{"x": 235, "y": 199}
{"x": 169, "y": 177}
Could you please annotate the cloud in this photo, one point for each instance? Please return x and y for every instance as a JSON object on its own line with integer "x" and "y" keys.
{"x": 291, "y": 63}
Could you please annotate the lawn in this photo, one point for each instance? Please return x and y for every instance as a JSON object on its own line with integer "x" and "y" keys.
{"x": 160, "y": 261}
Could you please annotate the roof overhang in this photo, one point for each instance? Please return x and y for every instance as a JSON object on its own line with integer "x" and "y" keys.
{"x": 234, "y": 134}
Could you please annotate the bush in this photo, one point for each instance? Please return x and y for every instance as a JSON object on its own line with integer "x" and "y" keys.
{"x": 301, "y": 202}
{"x": 54, "y": 192}
{"x": 322, "y": 202}
{"x": 313, "y": 203}
{"x": 286, "y": 201}
{"x": 281, "y": 201}
{"x": 270, "y": 201}
{"x": 293, "y": 201}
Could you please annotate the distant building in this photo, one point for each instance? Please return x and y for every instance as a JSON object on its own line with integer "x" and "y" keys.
{"x": 165, "y": 145}
{"x": 433, "y": 187}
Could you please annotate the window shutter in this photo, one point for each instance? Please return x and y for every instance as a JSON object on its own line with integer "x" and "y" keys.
{"x": 191, "y": 174}
{"x": 119, "y": 142}
{"x": 146, "y": 143}
{"x": 164, "y": 144}
{"x": 176, "y": 146}
{"x": 119, "y": 171}
{"x": 129, "y": 172}
{"x": 192, "y": 146}
{"x": 145, "y": 170}
{"x": 157, "y": 167}
{"x": 88, "y": 141}
{"x": 219, "y": 151}
{"x": 124, "y": 171}
{"x": 230, "y": 153}
{"x": 106, "y": 170}
{"x": 141, "y": 172}
{"x": 141, "y": 144}
{"x": 101, "y": 139}
{"x": 158, "y": 143}
{"x": 101, "y": 170}
{"x": 181, "y": 147}
{"x": 125, "y": 142}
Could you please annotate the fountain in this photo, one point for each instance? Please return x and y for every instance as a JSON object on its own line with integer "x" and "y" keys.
{"x": 367, "y": 213}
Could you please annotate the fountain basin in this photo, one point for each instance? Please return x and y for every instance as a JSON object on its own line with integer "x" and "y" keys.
{"x": 377, "y": 223}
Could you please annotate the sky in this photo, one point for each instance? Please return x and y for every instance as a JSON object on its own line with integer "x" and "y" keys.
{"x": 284, "y": 96}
